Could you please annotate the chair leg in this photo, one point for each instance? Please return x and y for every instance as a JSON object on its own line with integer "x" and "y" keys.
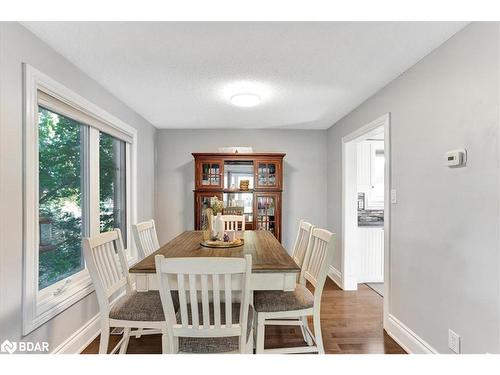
{"x": 165, "y": 345}
{"x": 126, "y": 338}
{"x": 139, "y": 333}
{"x": 249, "y": 344}
{"x": 259, "y": 347}
{"x": 169, "y": 344}
{"x": 317, "y": 332}
{"x": 175, "y": 345}
{"x": 254, "y": 330}
{"x": 307, "y": 337}
{"x": 103, "y": 344}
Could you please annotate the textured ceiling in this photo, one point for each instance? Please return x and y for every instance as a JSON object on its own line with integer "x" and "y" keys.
{"x": 181, "y": 74}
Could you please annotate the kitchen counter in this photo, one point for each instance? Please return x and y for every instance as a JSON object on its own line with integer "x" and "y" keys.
{"x": 376, "y": 224}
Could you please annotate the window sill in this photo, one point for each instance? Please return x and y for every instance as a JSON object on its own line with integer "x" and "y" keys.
{"x": 50, "y": 304}
{"x": 52, "y": 300}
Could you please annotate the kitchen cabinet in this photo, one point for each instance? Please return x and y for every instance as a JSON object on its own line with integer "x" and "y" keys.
{"x": 370, "y": 173}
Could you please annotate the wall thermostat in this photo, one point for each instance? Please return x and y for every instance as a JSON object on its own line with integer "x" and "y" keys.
{"x": 456, "y": 158}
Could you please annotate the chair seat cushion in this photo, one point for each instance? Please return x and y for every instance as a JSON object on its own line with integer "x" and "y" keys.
{"x": 141, "y": 307}
{"x": 213, "y": 344}
{"x": 208, "y": 345}
{"x": 277, "y": 300}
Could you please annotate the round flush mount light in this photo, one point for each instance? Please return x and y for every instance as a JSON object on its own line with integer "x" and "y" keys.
{"x": 245, "y": 100}
{"x": 245, "y": 93}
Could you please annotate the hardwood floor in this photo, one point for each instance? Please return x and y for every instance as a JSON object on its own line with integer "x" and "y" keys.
{"x": 351, "y": 324}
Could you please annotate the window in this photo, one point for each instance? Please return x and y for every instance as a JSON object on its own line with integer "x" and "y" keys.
{"x": 60, "y": 198}
{"x": 79, "y": 180}
{"x": 112, "y": 185}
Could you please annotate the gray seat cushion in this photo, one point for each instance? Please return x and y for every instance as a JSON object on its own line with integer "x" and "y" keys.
{"x": 277, "y": 300}
{"x": 141, "y": 307}
{"x": 214, "y": 344}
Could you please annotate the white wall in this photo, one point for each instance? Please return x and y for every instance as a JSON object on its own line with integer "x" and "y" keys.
{"x": 445, "y": 227}
{"x": 17, "y": 45}
{"x": 304, "y": 174}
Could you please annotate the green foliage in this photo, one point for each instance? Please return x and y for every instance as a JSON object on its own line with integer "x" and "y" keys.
{"x": 60, "y": 193}
{"x": 107, "y": 171}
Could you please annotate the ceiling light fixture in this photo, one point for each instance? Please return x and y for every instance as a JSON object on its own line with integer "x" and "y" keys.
{"x": 245, "y": 100}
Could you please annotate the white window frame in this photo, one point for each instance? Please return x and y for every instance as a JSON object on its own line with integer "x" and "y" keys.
{"x": 41, "y": 306}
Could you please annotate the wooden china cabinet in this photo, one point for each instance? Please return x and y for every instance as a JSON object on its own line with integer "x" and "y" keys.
{"x": 219, "y": 175}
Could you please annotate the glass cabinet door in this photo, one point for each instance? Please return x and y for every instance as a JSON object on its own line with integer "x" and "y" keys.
{"x": 210, "y": 174}
{"x": 266, "y": 213}
{"x": 240, "y": 204}
{"x": 267, "y": 174}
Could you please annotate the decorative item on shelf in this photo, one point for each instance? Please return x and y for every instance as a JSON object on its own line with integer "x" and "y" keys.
{"x": 244, "y": 184}
{"x": 235, "y": 150}
{"x": 216, "y": 205}
{"x": 234, "y": 210}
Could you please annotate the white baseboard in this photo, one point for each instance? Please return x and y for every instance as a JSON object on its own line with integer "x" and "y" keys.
{"x": 81, "y": 338}
{"x": 406, "y": 338}
{"x": 336, "y": 276}
{"x": 84, "y": 335}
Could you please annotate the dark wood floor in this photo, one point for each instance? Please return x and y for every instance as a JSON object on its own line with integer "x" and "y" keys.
{"x": 351, "y": 324}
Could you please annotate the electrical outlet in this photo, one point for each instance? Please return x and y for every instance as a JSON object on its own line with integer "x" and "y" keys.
{"x": 454, "y": 341}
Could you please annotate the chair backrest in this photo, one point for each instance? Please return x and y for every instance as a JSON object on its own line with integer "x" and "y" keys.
{"x": 302, "y": 242}
{"x": 145, "y": 238}
{"x": 107, "y": 265}
{"x": 234, "y": 222}
{"x": 198, "y": 281}
{"x": 318, "y": 259}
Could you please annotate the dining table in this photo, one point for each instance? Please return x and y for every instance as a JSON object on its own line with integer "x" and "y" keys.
{"x": 272, "y": 267}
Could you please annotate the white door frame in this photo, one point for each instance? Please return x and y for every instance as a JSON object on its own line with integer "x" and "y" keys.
{"x": 349, "y": 194}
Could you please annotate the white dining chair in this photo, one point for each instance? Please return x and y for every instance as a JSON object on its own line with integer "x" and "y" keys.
{"x": 210, "y": 319}
{"x": 145, "y": 238}
{"x": 273, "y": 305}
{"x": 302, "y": 242}
{"x": 298, "y": 255}
{"x": 234, "y": 222}
{"x": 108, "y": 268}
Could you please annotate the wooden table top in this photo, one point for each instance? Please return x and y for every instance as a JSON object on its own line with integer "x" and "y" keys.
{"x": 267, "y": 253}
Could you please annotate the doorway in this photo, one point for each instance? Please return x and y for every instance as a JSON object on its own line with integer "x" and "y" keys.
{"x": 366, "y": 208}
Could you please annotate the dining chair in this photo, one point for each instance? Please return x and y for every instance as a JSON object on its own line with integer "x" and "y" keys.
{"x": 302, "y": 242}
{"x": 299, "y": 252}
{"x": 234, "y": 222}
{"x": 301, "y": 302}
{"x": 210, "y": 319}
{"x": 108, "y": 268}
{"x": 145, "y": 238}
